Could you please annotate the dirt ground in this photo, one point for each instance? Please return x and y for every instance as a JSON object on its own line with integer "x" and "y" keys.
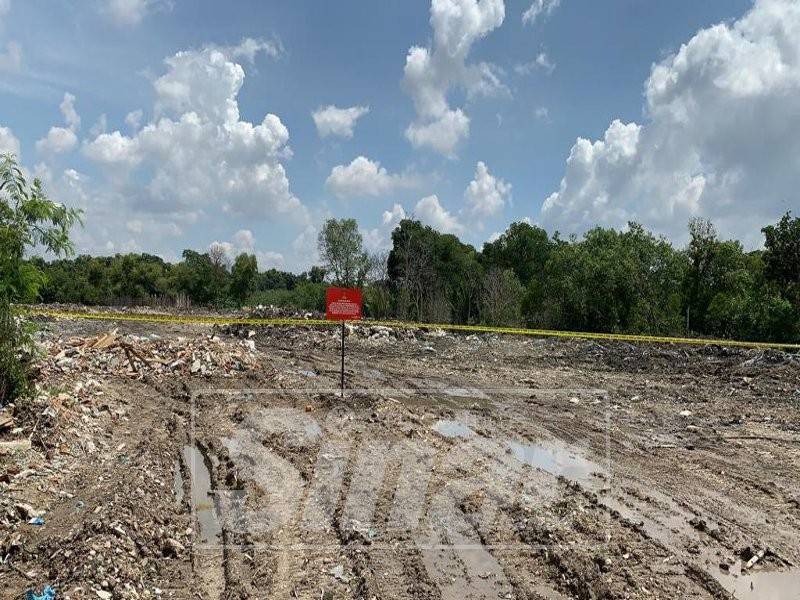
{"x": 453, "y": 467}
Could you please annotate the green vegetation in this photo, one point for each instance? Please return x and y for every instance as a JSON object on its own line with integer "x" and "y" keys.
{"x": 28, "y": 220}
{"x": 627, "y": 281}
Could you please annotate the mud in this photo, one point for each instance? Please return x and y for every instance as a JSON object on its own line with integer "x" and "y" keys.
{"x": 453, "y": 467}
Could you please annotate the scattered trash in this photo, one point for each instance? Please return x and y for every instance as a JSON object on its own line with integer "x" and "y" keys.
{"x": 338, "y": 573}
{"x": 685, "y": 413}
{"x": 36, "y": 521}
{"x": 48, "y": 593}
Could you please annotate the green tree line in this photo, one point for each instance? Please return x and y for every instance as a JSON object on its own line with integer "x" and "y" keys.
{"x": 627, "y": 281}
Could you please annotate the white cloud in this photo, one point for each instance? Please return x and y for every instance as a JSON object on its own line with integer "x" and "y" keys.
{"x": 113, "y": 148}
{"x": 442, "y": 134}
{"x": 8, "y": 142}
{"x": 542, "y": 113}
{"x": 5, "y": 6}
{"x": 126, "y": 13}
{"x": 249, "y": 48}
{"x": 100, "y": 126}
{"x": 134, "y": 119}
{"x": 270, "y": 260}
{"x": 62, "y": 139}
{"x": 392, "y": 218}
{"x": 430, "y": 73}
{"x": 11, "y": 59}
{"x": 430, "y": 211}
{"x": 244, "y": 239}
{"x": 719, "y": 139}
{"x": 365, "y": 177}
{"x": 486, "y": 195}
{"x": 337, "y": 121}
{"x": 57, "y": 141}
{"x": 543, "y": 8}
{"x": 541, "y": 62}
{"x": 198, "y": 156}
{"x": 71, "y": 116}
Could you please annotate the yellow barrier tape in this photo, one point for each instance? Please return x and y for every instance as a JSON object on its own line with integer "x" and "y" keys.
{"x": 209, "y": 320}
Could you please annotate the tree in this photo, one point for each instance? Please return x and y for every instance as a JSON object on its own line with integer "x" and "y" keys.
{"x": 501, "y": 298}
{"x": 782, "y": 256}
{"x": 243, "y": 276}
{"x": 341, "y": 249}
{"x": 28, "y": 220}
{"x": 523, "y": 248}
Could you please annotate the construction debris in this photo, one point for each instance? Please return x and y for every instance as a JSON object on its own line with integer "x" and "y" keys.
{"x": 134, "y": 356}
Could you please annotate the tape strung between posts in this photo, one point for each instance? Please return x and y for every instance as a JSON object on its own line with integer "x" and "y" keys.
{"x": 204, "y": 320}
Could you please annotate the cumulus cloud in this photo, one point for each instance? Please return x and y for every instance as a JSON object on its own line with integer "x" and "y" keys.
{"x": 331, "y": 120}
{"x": 719, "y": 139}
{"x": 244, "y": 242}
{"x": 486, "y": 195}
{"x": 71, "y": 116}
{"x": 430, "y": 73}
{"x": 62, "y": 139}
{"x": 8, "y": 142}
{"x": 365, "y": 177}
{"x": 57, "y": 141}
{"x": 134, "y": 119}
{"x": 539, "y": 8}
{"x": 392, "y": 218}
{"x": 198, "y": 155}
{"x": 430, "y": 211}
{"x": 126, "y": 13}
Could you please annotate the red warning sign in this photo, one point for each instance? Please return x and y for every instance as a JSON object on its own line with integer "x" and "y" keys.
{"x": 342, "y": 304}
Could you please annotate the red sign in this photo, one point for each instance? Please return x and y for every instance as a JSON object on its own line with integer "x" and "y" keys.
{"x": 342, "y": 304}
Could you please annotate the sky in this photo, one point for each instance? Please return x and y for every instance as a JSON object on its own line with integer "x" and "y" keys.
{"x": 189, "y": 123}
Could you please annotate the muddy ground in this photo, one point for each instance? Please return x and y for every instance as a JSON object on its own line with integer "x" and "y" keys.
{"x": 453, "y": 467}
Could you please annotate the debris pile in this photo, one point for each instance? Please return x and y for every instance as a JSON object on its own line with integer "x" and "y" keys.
{"x": 135, "y": 356}
{"x": 280, "y": 312}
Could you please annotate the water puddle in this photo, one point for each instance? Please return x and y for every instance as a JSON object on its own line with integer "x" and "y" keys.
{"x": 452, "y": 429}
{"x": 557, "y": 459}
{"x": 177, "y": 484}
{"x": 202, "y": 498}
{"x": 465, "y": 393}
{"x": 759, "y": 585}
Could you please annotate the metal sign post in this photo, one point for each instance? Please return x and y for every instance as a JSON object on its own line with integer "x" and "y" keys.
{"x": 342, "y": 359}
{"x": 342, "y": 304}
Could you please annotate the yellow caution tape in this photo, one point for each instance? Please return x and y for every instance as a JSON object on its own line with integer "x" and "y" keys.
{"x": 295, "y": 322}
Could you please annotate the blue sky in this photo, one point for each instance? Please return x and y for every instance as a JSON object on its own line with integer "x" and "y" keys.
{"x": 585, "y": 113}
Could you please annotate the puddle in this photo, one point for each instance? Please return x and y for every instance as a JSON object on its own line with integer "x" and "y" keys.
{"x": 202, "y": 498}
{"x": 312, "y": 430}
{"x": 557, "y": 459}
{"x": 177, "y": 484}
{"x": 465, "y": 393}
{"x": 452, "y": 429}
{"x": 760, "y": 585}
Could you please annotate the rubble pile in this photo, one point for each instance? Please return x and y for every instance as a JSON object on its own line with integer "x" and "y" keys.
{"x": 280, "y": 312}
{"x": 135, "y": 356}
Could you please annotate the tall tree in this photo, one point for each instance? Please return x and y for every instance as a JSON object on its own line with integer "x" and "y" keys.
{"x": 243, "y": 276}
{"x": 782, "y": 255}
{"x": 341, "y": 248}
